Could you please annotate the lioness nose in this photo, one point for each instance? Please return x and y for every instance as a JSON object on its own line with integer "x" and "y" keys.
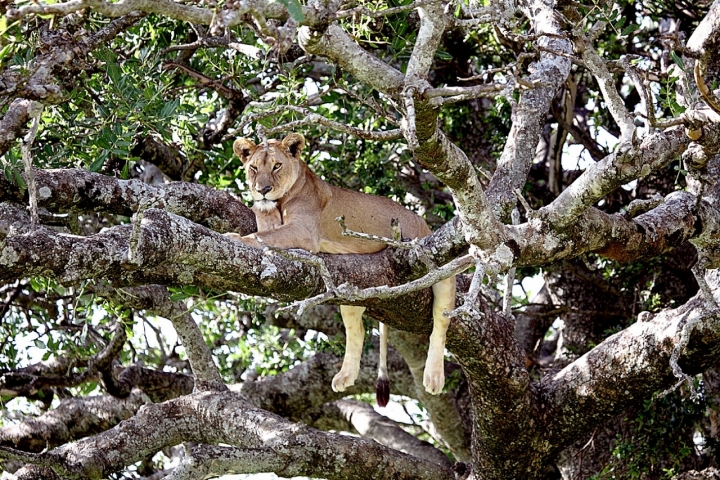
{"x": 265, "y": 190}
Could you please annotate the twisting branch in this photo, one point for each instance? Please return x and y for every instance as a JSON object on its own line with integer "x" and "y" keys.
{"x": 547, "y": 74}
{"x": 408, "y": 122}
{"x": 645, "y": 96}
{"x": 352, "y": 294}
{"x": 460, "y": 94}
{"x": 366, "y": 12}
{"x": 313, "y": 118}
{"x": 411, "y": 245}
{"x": 613, "y": 100}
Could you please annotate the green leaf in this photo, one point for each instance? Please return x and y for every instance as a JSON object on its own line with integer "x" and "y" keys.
{"x": 99, "y": 161}
{"x": 629, "y": 29}
{"x": 294, "y": 9}
{"x": 114, "y": 73}
{"x": 679, "y": 61}
{"x": 7, "y": 50}
{"x": 169, "y": 108}
{"x": 19, "y": 180}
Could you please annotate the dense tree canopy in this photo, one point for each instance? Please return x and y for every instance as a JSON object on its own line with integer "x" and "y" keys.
{"x": 575, "y": 143}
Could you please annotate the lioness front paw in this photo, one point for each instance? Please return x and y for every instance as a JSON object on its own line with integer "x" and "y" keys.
{"x": 433, "y": 381}
{"x": 343, "y": 380}
{"x": 235, "y": 236}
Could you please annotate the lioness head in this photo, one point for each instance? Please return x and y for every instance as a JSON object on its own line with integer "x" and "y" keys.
{"x": 270, "y": 171}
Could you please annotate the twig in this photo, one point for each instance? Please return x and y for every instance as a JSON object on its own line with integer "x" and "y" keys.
{"x": 468, "y": 307}
{"x": 645, "y": 98}
{"x": 572, "y": 58}
{"x": 513, "y": 67}
{"x": 312, "y": 118}
{"x": 637, "y": 207}
{"x": 529, "y": 212}
{"x": 510, "y": 276}
{"x": 411, "y": 245}
{"x": 612, "y": 98}
{"x": 409, "y": 120}
{"x": 353, "y": 294}
{"x": 684, "y": 328}
{"x": 470, "y": 92}
{"x": 698, "y": 271}
{"x": 366, "y": 12}
{"x": 34, "y": 110}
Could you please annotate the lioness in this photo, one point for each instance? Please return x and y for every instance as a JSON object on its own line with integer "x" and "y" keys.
{"x": 296, "y": 209}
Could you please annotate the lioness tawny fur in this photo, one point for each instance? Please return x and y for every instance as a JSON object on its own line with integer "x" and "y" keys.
{"x": 296, "y": 209}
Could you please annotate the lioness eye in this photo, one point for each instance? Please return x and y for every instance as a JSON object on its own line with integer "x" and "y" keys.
{"x": 277, "y": 166}
{"x": 253, "y": 168}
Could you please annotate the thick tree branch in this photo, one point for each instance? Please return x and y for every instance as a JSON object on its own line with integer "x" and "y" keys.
{"x": 624, "y": 368}
{"x": 81, "y": 191}
{"x": 337, "y": 46}
{"x": 678, "y": 219}
{"x": 224, "y": 417}
{"x": 528, "y": 116}
{"x": 656, "y": 150}
{"x": 72, "y": 419}
{"x": 500, "y": 388}
{"x": 367, "y": 422}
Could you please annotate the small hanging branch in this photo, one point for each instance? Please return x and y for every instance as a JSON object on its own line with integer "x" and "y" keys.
{"x": 35, "y": 110}
{"x": 397, "y": 243}
{"x": 510, "y": 277}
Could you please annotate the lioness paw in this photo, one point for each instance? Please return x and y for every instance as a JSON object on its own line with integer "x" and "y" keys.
{"x": 235, "y": 236}
{"x": 433, "y": 381}
{"x": 343, "y": 380}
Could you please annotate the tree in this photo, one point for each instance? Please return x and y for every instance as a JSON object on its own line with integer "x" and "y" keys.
{"x": 575, "y": 140}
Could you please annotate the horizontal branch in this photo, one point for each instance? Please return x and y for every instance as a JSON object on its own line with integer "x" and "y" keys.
{"x": 655, "y": 151}
{"x": 64, "y": 190}
{"x": 310, "y": 380}
{"x": 625, "y": 368}
{"x": 172, "y": 250}
{"x": 370, "y": 424}
{"x": 678, "y": 219}
{"x": 225, "y": 417}
{"x": 72, "y": 419}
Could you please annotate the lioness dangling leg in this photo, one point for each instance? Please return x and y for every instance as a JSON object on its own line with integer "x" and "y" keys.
{"x": 354, "y": 336}
{"x": 444, "y": 300}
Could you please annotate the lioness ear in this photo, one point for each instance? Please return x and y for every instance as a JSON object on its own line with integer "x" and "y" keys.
{"x": 294, "y": 143}
{"x": 243, "y": 148}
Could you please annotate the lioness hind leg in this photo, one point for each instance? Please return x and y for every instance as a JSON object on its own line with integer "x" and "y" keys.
{"x": 444, "y": 300}
{"x": 354, "y": 336}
